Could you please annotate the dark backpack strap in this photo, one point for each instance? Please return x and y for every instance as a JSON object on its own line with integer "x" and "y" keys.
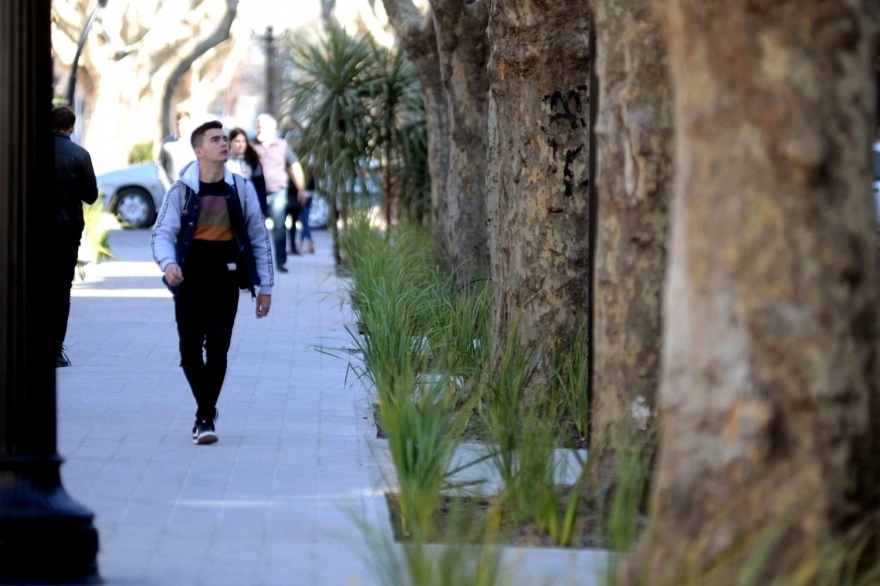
{"x": 239, "y": 186}
{"x": 186, "y": 194}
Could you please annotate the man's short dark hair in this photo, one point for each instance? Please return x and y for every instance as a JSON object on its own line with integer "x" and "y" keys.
{"x": 63, "y": 118}
{"x": 199, "y": 133}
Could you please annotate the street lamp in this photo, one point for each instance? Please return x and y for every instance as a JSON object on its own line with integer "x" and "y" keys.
{"x": 45, "y": 536}
{"x": 269, "y": 22}
{"x": 270, "y": 73}
{"x": 71, "y": 82}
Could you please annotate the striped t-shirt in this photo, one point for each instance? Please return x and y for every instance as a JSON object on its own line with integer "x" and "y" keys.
{"x": 213, "y": 224}
{"x": 213, "y": 246}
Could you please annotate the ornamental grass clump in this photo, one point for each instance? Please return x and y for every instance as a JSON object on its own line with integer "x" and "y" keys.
{"x": 395, "y": 286}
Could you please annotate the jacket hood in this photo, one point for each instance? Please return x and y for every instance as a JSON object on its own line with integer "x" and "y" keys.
{"x": 189, "y": 176}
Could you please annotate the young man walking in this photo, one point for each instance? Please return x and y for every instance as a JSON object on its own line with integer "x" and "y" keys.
{"x": 75, "y": 184}
{"x": 210, "y": 241}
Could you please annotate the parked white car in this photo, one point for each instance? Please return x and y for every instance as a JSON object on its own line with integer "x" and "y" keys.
{"x": 133, "y": 194}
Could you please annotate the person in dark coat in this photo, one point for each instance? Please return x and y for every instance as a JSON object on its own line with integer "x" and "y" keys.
{"x": 75, "y": 184}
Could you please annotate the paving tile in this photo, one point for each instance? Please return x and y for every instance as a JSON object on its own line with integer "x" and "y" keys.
{"x": 289, "y": 573}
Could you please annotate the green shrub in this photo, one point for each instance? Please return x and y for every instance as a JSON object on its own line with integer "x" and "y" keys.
{"x": 96, "y": 243}
{"x": 142, "y": 152}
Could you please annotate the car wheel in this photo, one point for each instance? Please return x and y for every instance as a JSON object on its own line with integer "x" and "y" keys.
{"x": 134, "y": 208}
{"x": 319, "y": 213}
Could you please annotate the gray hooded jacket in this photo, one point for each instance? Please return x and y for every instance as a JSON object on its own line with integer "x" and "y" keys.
{"x": 167, "y": 229}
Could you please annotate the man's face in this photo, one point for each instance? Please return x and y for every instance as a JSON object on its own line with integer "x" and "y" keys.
{"x": 214, "y": 147}
{"x": 265, "y": 131}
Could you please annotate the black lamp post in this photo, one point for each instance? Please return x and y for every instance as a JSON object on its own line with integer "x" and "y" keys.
{"x": 71, "y": 82}
{"x": 45, "y": 537}
{"x": 270, "y": 72}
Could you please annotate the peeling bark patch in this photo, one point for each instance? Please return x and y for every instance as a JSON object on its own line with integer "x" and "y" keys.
{"x": 731, "y": 429}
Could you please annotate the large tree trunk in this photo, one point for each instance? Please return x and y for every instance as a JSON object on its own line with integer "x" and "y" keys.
{"x": 220, "y": 34}
{"x": 633, "y": 183}
{"x": 877, "y": 81}
{"x": 769, "y": 398}
{"x": 538, "y": 170}
{"x": 416, "y": 32}
{"x": 111, "y": 105}
{"x": 219, "y": 68}
{"x": 464, "y": 52}
{"x": 130, "y": 65}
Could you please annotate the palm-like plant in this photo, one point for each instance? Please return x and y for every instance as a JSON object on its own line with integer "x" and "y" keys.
{"x": 399, "y": 122}
{"x": 326, "y": 96}
{"x": 359, "y": 102}
{"x": 414, "y": 172}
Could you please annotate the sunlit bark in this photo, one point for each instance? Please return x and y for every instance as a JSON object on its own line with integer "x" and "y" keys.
{"x": 770, "y": 394}
{"x": 134, "y": 58}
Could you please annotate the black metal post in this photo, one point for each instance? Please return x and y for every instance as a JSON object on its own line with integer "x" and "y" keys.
{"x": 270, "y": 72}
{"x": 71, "y": 82}
{"x": 45, "y": 537}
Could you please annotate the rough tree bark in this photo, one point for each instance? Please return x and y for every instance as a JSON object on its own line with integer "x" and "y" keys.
{"x": 133, "y": 51}
{"x": 367, "y": 16}
{"x": 877, "y": 81}
{"x": 538, "y": 170}
{"x": 218, "y": 68}
{"x": 633, "y": 184}
{"x": 769, "y": 396}
{"x": 416, "y": 31}
{"x": 464, "y": 51}
{"x": 220, "y": 34}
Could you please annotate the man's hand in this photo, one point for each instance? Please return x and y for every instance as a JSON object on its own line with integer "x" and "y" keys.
{"x": 263, "y": 304}
{"x": 173, "y": 275}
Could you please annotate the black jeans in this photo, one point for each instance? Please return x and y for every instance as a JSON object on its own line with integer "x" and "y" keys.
{"x": 205, "y": 308}
{"x": 62, "y": 266}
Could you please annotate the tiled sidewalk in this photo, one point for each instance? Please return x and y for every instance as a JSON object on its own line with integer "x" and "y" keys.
{"x": 261, "y": 506}
{"x": 277, "y": 501}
